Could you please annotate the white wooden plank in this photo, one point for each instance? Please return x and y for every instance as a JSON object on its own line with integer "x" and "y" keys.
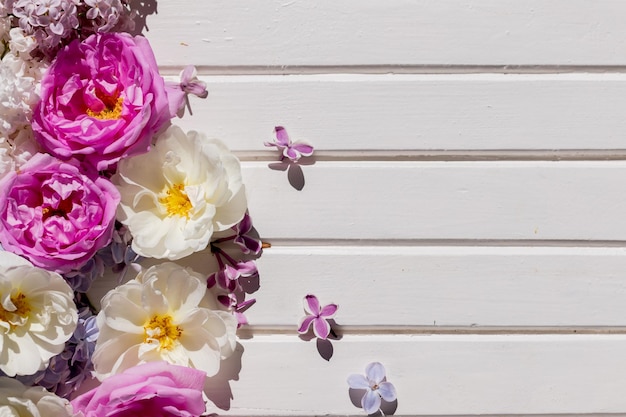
{"x": 445, "y": 286}
{"x": 281, "y": 375}
{"x": 406, "y": 32}
{"x": 424, "y": 112}
{"x": 430, "y": 287}
{"x": 441, "y": 200}
{"x": 502, "y": 374}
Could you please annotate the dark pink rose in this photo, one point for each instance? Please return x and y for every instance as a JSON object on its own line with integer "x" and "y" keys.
{"x": 54, "y": 215}
{"x": 152, "y": 389}
{"x": 101, "y": 100}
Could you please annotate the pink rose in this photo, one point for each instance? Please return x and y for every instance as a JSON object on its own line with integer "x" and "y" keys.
{"x": 54, "y": 215}
{"x": 151, "y": 389}
{"x": 101, "y": 100}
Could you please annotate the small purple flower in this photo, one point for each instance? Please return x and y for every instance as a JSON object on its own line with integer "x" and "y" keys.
{"x": 237, "y": 308}
{"x": 243, "y": 239}
{"x": 189, "y": 84}
{"x": 291, "y": 150}
{"x": 375, "y": 386}
{"x": 318, "y": 316}
{"x": 228, "y": 276}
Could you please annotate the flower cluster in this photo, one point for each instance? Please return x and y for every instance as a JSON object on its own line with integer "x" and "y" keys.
{"x": 100, "y": 188}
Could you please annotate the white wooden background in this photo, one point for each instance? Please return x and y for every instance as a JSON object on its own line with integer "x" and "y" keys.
{"x": 465, "y": 209}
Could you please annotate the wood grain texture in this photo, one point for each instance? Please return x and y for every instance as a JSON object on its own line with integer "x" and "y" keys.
{"x": 283, "y": 375}
{"x": 417, "y": 112}
{"x": 441, "y": 200}
{"x": 286, "y": 33}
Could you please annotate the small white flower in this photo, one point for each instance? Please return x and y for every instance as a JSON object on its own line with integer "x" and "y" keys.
{"x": 165, "y": 313}
{"x": 179, "y": 193}
{"x": 17, "y": 400}
{"x": 19, "y": 92}
{"x": 20, "y": 44}
{"x": 37, "y": 315}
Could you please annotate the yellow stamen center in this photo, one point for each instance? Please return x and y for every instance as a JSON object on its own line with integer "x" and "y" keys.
{"x": 161, "y": 329}
{"x": 176, "y": 201}
{"x": 111, "y": 111}
{"x": 22, "y": 309}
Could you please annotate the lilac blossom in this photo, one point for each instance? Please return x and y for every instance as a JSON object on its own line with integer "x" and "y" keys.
{"x": 179, "y": 92}
{"x": 228, "y": 276}
{"x": 99, "y": 16}
{"x": 117, "y": 255}
{"x": 244, "y": 238}
{"x": 375, "y": 386}
{"x": 292, "y": 150}
{"x": 317, "y": 316}
{"x": 50, "y": 22}
{"x": 231, "y": 302}
{"x": 234, "y": 268}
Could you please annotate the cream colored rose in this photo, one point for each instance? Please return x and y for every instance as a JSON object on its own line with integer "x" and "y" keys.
{"x": 16, "y": 400}
{"x": 165, "y": 313}
{"x": 179, "y": 193}
{"x": 37, "y": 315}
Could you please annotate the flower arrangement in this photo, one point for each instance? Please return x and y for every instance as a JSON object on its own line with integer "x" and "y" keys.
{"x": 99, "y": 185}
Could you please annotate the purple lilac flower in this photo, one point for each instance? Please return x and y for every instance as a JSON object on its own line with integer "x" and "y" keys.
{"x": 228, "y": 275}
{"x": 234, "y": 268}
{"x": 106, "y": 16}
{"x": 375, "y": 386}
{"x": 317, "y": 316}
{"x": 244, "y": 238}
{"x": 237, "y": 308}
{"x": 80, "y": 280}
{"x": 190, "y": 83}
{"x": 179, "y": 92}
{"x": 292, "y": 150}
{"x": 117, "y": 255}
{"x": 50, "y": 22}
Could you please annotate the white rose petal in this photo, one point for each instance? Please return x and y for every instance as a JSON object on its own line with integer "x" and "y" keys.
{"x": 166, "y": 313}
{"x": 179, "y": 193}
{"x": 37, "y": 316}
{"x": 17, "y": 400}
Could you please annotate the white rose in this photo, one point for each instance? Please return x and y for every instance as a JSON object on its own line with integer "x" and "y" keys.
{"x": 179, "y": 193}
{"x": 165, "y": 314}
{"x": 37, "y": 315}
{"x": 16, "y": 400}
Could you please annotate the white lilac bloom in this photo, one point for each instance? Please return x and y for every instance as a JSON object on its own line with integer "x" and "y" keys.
{"x": 19, "y": 85}
{"x": 177, "y": 195}
{"x": 37, "y": 315}
{"x": 165, "y": 314}
{"x": 374, "y": 386}
{"x": 17, "y": 400}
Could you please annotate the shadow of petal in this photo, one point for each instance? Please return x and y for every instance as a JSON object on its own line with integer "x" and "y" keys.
{"x": 389, "y": 409}
{"x": 279, "y": 166}
{"x": 356, "y": 395}
{"x": 296, "y": 176}
{"x": 325, "y": 349}
{"x": 217, "y": 388}
{"x": 143, "y": 9}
